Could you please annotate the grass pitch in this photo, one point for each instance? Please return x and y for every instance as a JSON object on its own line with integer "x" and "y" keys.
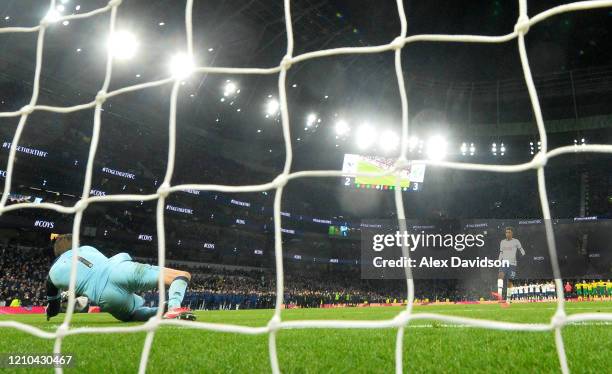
{"x": 429, "y": 346}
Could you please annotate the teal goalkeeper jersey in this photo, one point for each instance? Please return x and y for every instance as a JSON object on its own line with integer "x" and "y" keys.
{"x": 93, "y": 269}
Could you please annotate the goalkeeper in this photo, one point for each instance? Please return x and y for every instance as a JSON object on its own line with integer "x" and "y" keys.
{"x": 112, "y": 283}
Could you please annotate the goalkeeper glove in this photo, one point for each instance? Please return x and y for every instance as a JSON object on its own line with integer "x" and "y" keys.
{"x": 53, "y": 308}
{"x": 53, "y": 299}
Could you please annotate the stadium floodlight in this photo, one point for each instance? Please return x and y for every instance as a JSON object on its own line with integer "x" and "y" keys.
{"x": 472, "y": 149}
{"x": 464, "y": 149}
{"x": 388, "y": 141}
{"x": 342, "y": 128}
{"x": 272, "y": 107}
{"x": 52, "y": 16}
{"x": 582, "y": 142}
{"x": 366, "y": 136}
{"x": 181, "y": 66}
{"x": 502, "y": 149}
{"x": 494, "y": 149}
{"x": 123, "y": 45}
{"x": 436, "y": 148}
{"x": 230, "y": 88}
{"x": 311, "y": 119}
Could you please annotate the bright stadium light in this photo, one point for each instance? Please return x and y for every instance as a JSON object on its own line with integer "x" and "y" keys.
{"x": 230, "y": 88}
{"x": 388, "y": 141}
{"x": 342, "y": 128}
{"x": 366, "y": 136}
{"x": 311, "y": 119}
{"x": 502, "y": 149}
{"x": 494, "y": 149}
{"x": 472, "y": 149}
{"x": 52, "y": 16}
{"x": 582, "y": 142}
{"x": 436, "y": 148}
{"x": 181, "y": 66}
{"x": 464, "y": 149}
{"x": 123, "y": 45}
{"x": 272, "y": 107}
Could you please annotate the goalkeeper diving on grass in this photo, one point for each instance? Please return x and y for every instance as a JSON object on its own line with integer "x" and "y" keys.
{"x": 113, "y": 283}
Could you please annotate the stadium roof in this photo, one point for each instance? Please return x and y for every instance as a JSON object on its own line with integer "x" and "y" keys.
{"x": 458, "y": 84}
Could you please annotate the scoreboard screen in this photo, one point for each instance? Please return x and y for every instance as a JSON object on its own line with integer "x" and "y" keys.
{"x": 411, "y": 178}
{"x": 338, "y": 231}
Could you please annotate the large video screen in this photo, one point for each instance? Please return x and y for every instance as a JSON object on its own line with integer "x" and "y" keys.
{"x": 410, "y": 180}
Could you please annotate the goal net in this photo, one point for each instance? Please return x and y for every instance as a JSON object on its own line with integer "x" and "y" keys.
{"x": 276, "y": 323}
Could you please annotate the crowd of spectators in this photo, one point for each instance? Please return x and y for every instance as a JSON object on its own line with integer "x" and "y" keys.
{"x": 310, "y": 287}
{"x": 23, "y": 272}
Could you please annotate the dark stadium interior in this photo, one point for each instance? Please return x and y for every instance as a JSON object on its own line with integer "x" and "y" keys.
{"x": 471, "y": 93}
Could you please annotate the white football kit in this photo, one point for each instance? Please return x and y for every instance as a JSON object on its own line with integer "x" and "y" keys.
{"x": 508, "y": 249}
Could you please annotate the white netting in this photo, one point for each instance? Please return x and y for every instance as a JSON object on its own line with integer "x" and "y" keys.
{"x": 403, "y": 318}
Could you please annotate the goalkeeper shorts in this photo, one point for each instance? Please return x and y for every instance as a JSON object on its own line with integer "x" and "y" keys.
{"x": 119, "y": 297}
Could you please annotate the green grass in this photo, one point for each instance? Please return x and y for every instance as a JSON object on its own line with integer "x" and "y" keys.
{"x": 389, "y": 180}
{"x": 428, "y": 346}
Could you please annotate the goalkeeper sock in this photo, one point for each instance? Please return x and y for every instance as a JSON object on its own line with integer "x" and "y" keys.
{"x": 500, "y": 286}
{"x": 177, "y": 292}
{"x": 143, "y": 313}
